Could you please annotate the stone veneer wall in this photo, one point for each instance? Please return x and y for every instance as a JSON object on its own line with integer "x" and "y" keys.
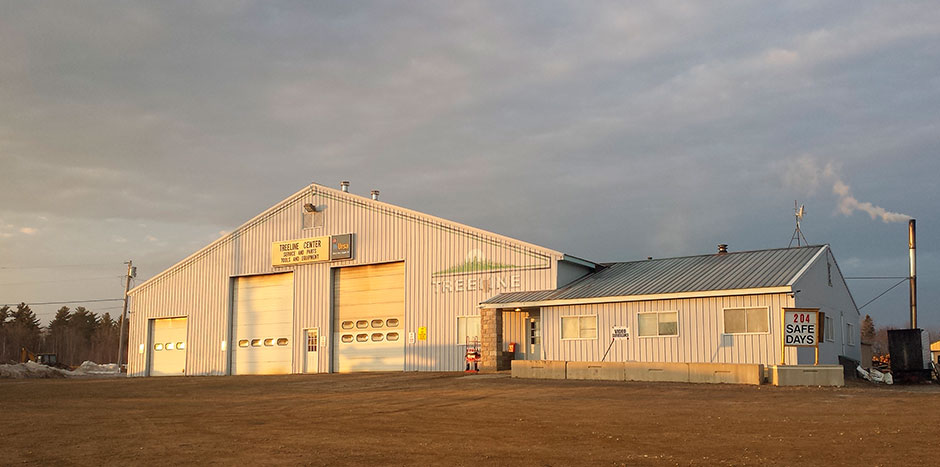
{"x": 492, "y": 355}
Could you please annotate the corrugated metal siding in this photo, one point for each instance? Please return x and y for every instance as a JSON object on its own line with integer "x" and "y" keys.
{"x": 741, "y": 270}
{"x": 200, "y": 286}
{"x": 835, "y": 301}
{"x": 700, "y": 332}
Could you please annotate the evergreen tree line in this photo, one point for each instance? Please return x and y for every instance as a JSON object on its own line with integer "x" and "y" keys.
{"x": 74, "y": 336}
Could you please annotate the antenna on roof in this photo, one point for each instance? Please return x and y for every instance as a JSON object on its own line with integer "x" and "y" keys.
{"x": 798, "y": 213}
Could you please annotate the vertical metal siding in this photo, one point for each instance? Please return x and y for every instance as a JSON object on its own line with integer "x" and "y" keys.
{"x": 835, "y": 301}
{"x": 700, "y": 332}
{"x": 200, "y": 287}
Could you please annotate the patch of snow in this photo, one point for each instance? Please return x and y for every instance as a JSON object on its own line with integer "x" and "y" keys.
{"x": 38, "y": 370}
{"x": 91, "y": 368}
{"x": 31, "y": 370}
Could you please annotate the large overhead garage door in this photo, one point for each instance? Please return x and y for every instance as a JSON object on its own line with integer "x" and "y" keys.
{"x": 168, "y": 347}
{"x": 262, "y": 324}
{"x": 368, "y": 318}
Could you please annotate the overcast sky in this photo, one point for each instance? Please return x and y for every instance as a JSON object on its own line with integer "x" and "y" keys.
{"x": 145, "y": 130}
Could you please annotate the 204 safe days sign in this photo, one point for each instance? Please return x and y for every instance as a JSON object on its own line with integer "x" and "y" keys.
{"x": 800, "y": 327}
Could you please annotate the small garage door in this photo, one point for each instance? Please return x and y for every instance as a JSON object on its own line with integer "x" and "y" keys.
{"x": 168, "y": 347}
{"x": 368, "y": 318}
{"x": 262, "y": 324}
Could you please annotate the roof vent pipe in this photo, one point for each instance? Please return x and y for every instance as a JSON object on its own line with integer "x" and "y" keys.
{"x": 722, "y": 249}
{"x": 375, "y": 195}
{"x": 344, "y": 185}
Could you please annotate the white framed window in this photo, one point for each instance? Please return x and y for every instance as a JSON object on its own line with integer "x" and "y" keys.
{"x": 849, "y": 334}
{"x": 468, "y": 329}
{"x": 579, "y": 327}
{"x": 312, "y": 220}
{"x": 750, "y": 320}
{"x": 829, "y": 333}
{"x": 658, "y": 324}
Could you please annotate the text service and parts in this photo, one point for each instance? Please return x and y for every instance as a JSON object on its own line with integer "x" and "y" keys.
{"x": 311, "y": 250}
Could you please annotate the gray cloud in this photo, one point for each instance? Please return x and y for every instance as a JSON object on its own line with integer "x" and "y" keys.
{"x": 610, "y": 131}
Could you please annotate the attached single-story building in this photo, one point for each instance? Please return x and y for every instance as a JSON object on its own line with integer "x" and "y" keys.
{"x": 328, "y": 281}
{"x": 717, "y": 308}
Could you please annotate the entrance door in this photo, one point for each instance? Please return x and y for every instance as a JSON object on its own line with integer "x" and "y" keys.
{"x": 312, "y": 362}
{"x": 533, "y": 349}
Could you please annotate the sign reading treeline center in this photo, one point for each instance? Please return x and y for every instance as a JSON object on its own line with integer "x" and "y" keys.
{"x": 311, "y": 250}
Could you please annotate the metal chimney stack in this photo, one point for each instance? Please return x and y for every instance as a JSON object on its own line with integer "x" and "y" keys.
{"x": 375, "y": 195}
{"x": 344, "y": 185}
{"x": 911, "y": 240}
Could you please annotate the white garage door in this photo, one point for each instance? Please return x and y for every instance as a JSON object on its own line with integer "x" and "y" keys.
{"x": 262, "y": 324}
{"x": 168, "y": 347}
{"x": 368, "y": 318}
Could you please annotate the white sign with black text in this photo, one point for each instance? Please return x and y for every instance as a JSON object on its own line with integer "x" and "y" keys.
{"x": 620, "y": 332}
{"x": 800, "y": 327}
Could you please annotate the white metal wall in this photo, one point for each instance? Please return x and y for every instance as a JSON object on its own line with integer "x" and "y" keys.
{"x": 200, "y": 286}
{"x": 835, "y": 301}
{"x": 700, "y": 332}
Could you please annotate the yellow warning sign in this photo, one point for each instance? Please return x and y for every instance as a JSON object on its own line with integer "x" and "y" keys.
{"x": 422, "y": 333}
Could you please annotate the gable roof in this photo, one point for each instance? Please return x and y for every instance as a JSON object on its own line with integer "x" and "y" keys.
{"x": 759, "y": 269}
{"x": 360, "y": 201}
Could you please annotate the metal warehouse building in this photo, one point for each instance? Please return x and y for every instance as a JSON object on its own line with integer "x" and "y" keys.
{"x": 328, "y": 281}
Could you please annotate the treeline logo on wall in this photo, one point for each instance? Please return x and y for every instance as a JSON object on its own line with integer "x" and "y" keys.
{"x": 311, "y": 250}
{"x": 477, "y": 262}
{"x": 485, "y": 284}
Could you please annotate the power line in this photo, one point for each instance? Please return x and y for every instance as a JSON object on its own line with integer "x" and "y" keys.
{"x": 57, "y": 266}
{"x": 886, "y": 291}
{"x": 62, "y": 280}
{"x": 877, "y": 277}
{"x": 67, "y": 302}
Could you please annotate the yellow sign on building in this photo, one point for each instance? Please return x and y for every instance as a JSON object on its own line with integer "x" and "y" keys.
{"x": 300, "y": 251}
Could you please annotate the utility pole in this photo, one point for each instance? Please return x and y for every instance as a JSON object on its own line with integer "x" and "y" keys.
{"x": 131, "y": 272}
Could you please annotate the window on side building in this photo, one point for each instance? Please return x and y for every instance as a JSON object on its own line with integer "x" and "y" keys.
{"x": 827, "y": 329}
{"x": 753, "y": 320}
{"x": 468, "y": 329}
{"x": 849, "y": 334}
{"x": 579, "y": 327}
{"x": 658, "y": 324}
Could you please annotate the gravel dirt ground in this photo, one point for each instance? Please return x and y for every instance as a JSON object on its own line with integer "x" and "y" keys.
{"x": 453, "y": 419}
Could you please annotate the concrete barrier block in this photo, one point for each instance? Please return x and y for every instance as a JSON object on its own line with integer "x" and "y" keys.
{"x": 667, "y": 372}
{"x": 540, "y": 369}
{"x": 807, "y": 375}
{"x": 731, "y": 373}
{"x": 606, "y": 371}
